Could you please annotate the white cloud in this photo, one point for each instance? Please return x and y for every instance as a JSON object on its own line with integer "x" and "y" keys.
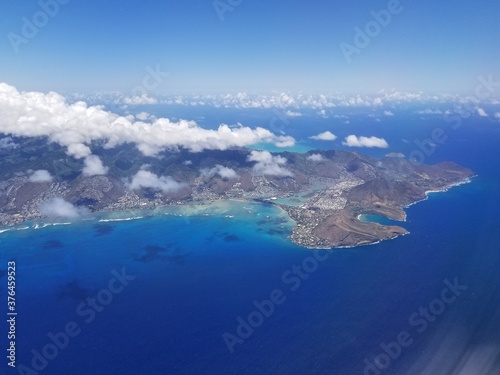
{"x": 316, "y": 157}
{"x": 58, "y": 207}
{"x": 354, "y": 141}
{"x": 75, "y": 126}
{"x": 325, "y": 136}
{"x": 430, "y": 112}
{"x": 93, "y": 166}
{"x": 139, "y": 100}
{"x": 481, "y": 112}
{"x": 79, "y": 150}
{"x": 285, "y": 141}
{"x": 497, "y": 115}
{"x": 147, "y": 179}
{"x": 41, "y": 175}
{"x": 143, "y": 116}
{"x": 7, "y": 144}
{"x": 187, "y": 162}
{"x": 294, "y": 102}
{"x": 388, "y": 113}
{"x": 267, "y": 164}
{"x": 290, "y": 113}
{"x": 220, "y": 171}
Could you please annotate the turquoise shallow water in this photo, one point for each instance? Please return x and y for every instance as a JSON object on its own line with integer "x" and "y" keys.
{"x": 194, "y": 276}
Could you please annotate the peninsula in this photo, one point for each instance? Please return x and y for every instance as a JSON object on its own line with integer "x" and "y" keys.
{"x": 324, "y": 192}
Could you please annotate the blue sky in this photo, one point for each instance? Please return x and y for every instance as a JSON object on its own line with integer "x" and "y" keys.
{"x": 260, "y": 46}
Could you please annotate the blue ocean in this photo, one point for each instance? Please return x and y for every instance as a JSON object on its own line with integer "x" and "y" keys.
{"x": 222, "y": 290}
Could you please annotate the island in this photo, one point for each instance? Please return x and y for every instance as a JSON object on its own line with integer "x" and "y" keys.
{"x": 324, "y": 192}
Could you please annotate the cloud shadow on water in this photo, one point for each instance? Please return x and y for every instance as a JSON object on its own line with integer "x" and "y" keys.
{"x": 52, "y": 244}
{"x": 103, "y": 229}
{"x": 73, "y": 290}
{"x": 170, "y": 253}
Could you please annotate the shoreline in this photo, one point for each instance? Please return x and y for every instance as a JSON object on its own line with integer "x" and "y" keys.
{"x": 468, "y": 180}
{"x": 219, "y": 208}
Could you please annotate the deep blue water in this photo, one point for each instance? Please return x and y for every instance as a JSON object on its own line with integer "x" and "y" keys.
{"x": 193, "y": 279}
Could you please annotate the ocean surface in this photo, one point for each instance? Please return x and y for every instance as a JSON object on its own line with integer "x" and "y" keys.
{"x": 172, "y": 288}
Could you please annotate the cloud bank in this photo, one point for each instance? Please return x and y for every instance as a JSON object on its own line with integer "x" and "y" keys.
{"x": 75, "y": 126}
{"x": 355, "y": 141}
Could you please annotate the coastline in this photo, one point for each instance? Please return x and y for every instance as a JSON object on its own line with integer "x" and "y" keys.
{"x": 228, "y": 208}
{"x": 466, "y": 181}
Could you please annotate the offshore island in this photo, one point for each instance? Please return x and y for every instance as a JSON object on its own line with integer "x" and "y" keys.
{"x": 324, "y": 192}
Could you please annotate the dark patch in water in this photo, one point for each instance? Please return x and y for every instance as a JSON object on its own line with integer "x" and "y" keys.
{"x": 178, "y": 257}
{"x": 103, "y": 229}
{"x": 226, "y": 236}
{"x": 52, "y": 244}
{"x": 216, "y": 234}
{"x": 151, "y": 253}
{"x": 275, "y": 221}
{"x": 231, "y": 238}
{"x": 274, "y": 232}
{"x": 73, "y": 290}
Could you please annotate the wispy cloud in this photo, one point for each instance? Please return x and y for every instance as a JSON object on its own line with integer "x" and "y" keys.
{"x": 139, "y": 100}
{"x": 290, "y": 113}
{"x": 481, "y": 112}
{"x": 7, "y": 144}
